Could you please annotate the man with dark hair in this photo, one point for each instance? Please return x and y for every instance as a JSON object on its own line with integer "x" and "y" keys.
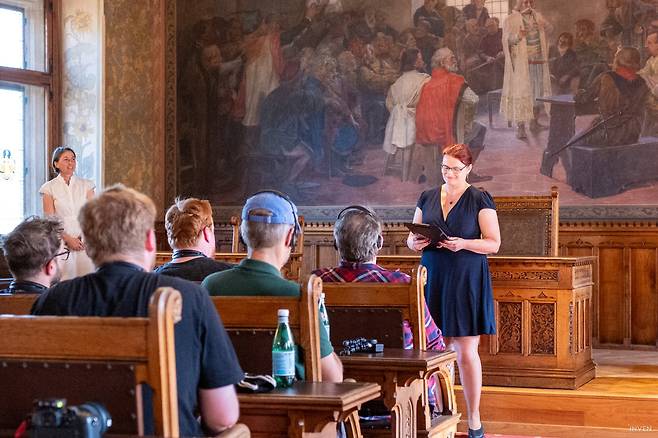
{"x": 358, "y": 236}
{"x": 428, "y": 13}
{"x": 118, "y": 227}
{"x": 564, "y": 65}
{"x": 401, "y": 103}
{"x": 269, "y": 227}
{"x": 33, "y": 251}
{"x": 476, "y": 10}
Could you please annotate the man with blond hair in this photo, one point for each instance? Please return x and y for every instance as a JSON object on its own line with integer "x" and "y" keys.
{"x": 120, "y": 239}
{"x": 191, "y": 235}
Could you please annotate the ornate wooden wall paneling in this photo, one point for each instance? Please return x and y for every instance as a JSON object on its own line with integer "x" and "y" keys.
{"x": 625, "y": 298}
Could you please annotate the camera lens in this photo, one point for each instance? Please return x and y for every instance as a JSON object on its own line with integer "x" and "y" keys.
{"x": 99, "y": 416}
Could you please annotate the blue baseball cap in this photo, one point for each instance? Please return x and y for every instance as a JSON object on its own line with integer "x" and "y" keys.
{"x": 283, "y": 210}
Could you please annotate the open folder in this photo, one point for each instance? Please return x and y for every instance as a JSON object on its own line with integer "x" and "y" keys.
{"x": 432, "y": 232}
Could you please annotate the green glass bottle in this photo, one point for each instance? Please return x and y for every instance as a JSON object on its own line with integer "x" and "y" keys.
{"x": 283, "y": 352}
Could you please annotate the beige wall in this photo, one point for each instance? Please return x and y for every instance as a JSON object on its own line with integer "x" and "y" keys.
{"x": 134, "y": 90}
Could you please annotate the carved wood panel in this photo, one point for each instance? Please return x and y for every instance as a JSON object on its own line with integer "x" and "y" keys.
{"x": 510, "y": 315}
{"x": 542, "y": 328}
{"x": 624, "y": 296}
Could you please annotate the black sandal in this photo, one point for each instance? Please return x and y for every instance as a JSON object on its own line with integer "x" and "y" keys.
{"x": 479, "y": 433}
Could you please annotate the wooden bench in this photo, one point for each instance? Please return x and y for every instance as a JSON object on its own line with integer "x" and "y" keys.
{"x": 377, "y": 310}
{"x": 17, "y": 304}
{"x": 308, "y": 407}
{"x": 93, "y": 359}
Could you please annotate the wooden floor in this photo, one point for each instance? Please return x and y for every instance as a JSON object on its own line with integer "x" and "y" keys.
{"x": 621, "y": 401}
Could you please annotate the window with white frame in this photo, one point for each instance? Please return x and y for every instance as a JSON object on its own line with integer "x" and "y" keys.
{"x": 27, "y": 102}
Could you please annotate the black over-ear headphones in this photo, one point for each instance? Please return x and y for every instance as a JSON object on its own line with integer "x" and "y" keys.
{"x": 366, "y": 211}
{"x": 297, "y": 227}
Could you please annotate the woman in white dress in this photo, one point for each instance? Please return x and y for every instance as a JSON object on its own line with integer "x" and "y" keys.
{"x": 63, "y": 196}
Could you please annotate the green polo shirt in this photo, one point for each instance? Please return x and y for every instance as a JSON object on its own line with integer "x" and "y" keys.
{"x": 254, "y": 278}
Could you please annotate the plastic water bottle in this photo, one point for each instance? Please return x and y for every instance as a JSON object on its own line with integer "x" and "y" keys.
{"x": 283, "y": 352}
{"x": 324, "y": 317}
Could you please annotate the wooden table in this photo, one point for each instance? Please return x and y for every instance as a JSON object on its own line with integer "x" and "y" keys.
{"x": 403, "y": 376}
{"x": 562, "y": 128}
{"x": 307, "y": 409}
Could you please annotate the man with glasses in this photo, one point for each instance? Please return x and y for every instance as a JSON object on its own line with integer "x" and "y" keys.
{"x": 34, "y": 251}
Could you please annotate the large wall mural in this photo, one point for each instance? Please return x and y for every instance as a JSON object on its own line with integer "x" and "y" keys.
{"x": 318, "y": 98}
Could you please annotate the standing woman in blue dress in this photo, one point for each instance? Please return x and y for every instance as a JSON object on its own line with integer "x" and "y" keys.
{"x": 459, "y": 292}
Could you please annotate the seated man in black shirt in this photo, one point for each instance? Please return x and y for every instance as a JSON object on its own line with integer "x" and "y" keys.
{"x": 34, "y": 251}
{"x": 191, "y": 234}
{"x": 118, "y": 228}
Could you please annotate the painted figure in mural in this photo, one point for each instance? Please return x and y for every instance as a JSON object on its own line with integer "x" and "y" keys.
{"x": 621, "y": 95}
{"x": 470, "y": 54}
{"x": 445, "y": 112}
{"x": 452, "y": 16}
{"x": 401, "y": 102}
{"x": 293, "y": 124}
{"x": 590, "y": 51}
{"x": 476, "y": 10}
{"x": 428, "y": 13}
{"x": 376, "y": 75}
{"x": 527, "y": 75}
{"x": 426, "y": 41}
{"x": 374, "y": 21}
{"x": 459, "y": 290}
{"x": 633, "y": 16}
{"x": 63, "y": 196}
{"x": 492, "y": 58}
{"x": 565, "y": 71}
{"x": 650, "y": 75}
{"x": 208, "y": 96}
{"x": 263, "y": 68}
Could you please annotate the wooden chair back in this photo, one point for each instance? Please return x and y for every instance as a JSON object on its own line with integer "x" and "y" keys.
{"x": 377, "y": 310}
{"x": 17, "y": 304}
{"x": 94, "y": 359}
{"x": 529, "y": 224}
{"x": 291, "y": 271}
{"x": 251, "y": 322}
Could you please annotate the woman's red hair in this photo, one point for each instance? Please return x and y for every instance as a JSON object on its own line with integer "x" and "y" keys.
{"x": 459, "y": 151}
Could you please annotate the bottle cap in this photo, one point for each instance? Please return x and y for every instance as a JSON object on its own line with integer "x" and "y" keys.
{"x": 283, "y": 312}
{"x": 322, "y": 295}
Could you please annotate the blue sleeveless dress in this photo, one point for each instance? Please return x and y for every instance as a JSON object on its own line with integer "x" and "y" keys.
{"x": 459, "y": 292}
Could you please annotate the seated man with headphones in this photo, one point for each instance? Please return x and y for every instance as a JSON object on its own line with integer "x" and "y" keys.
{"x": 358, "y": 239}
{"x": 269, "y": 228}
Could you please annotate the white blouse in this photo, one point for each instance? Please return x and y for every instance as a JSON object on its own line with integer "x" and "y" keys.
{"x": 68, "y": 199}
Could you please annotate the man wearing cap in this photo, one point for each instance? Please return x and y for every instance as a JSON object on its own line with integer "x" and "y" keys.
{"x": 34, "y": 251}
{"x": 118, "y": 229}
{"x": 269, "y": 228}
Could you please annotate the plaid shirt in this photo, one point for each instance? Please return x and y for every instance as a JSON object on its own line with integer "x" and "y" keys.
{"x": 349, "y": 272}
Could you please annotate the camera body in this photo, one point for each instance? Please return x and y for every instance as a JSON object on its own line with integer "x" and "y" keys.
{"x": 360, "y": 345}
{"x": 51, "y": 418}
